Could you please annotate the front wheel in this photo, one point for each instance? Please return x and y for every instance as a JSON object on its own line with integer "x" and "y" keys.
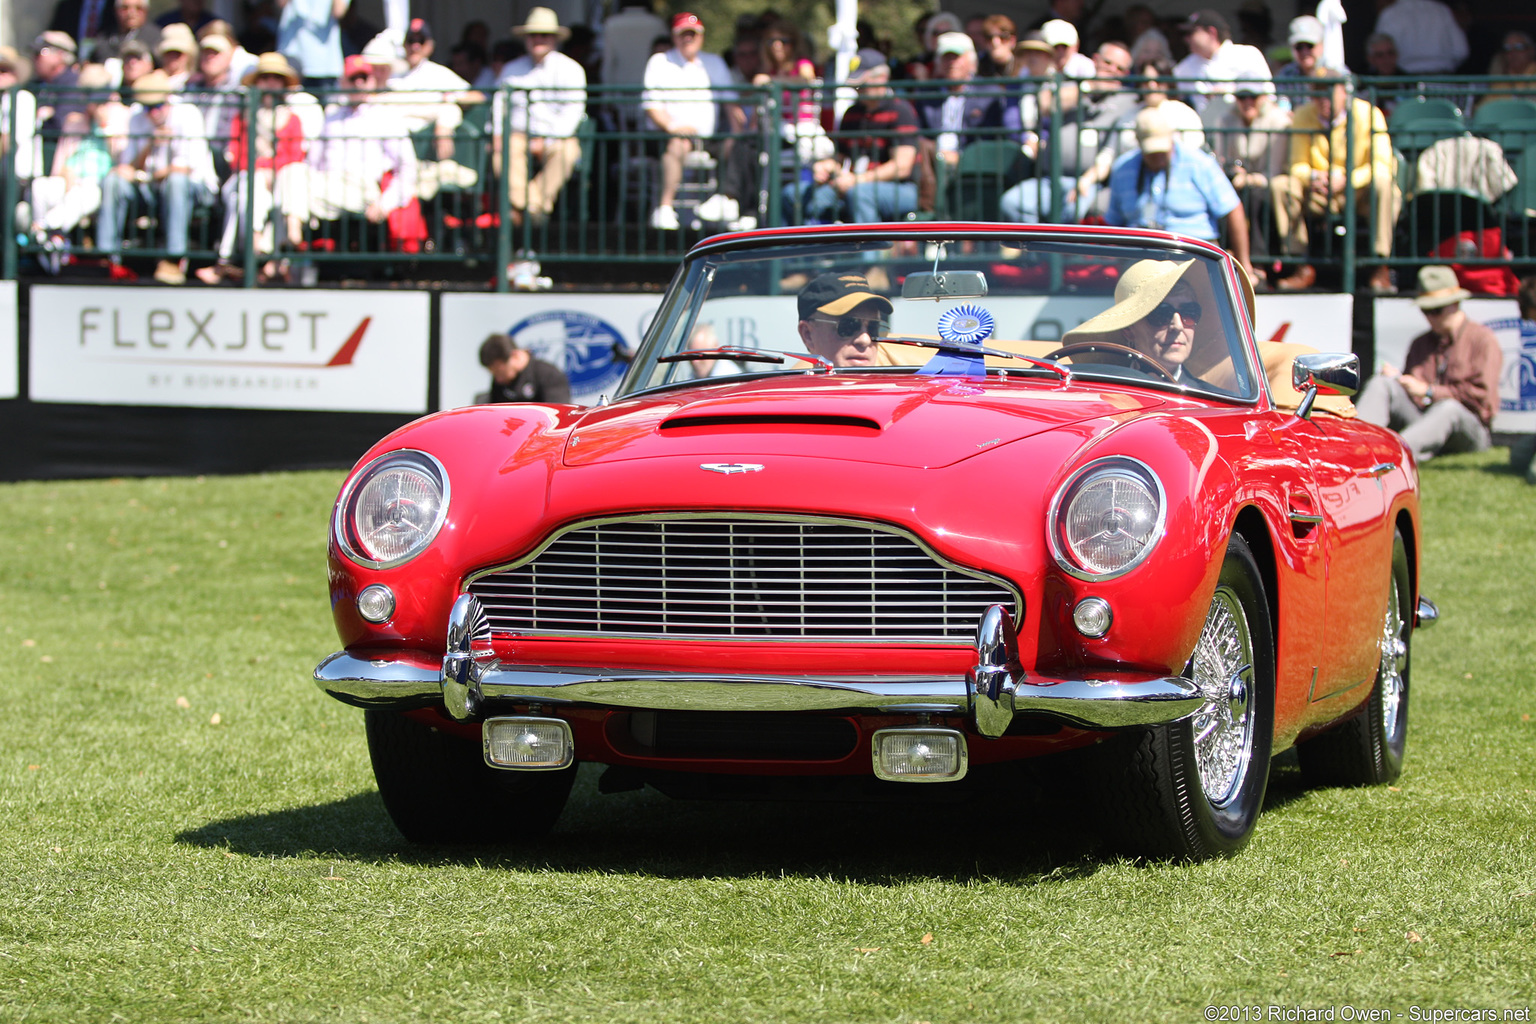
{"x": 1367, "y": 750}
{"x": 1192, "y": 790}
{"x": 438, "y": 789}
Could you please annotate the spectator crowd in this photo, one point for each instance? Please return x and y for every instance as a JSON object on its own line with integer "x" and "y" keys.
{"x": 309, "y": 117}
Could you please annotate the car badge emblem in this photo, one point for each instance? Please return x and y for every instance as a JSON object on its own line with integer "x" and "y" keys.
{"x": 729, "y": 468}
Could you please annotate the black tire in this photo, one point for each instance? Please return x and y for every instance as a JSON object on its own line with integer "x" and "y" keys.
{"x": 1192, "y": 790}
{"x": 1367, "y": 749}
{"x": 438, "y": 789}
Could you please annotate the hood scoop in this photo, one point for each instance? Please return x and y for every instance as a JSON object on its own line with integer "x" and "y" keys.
{"x": 768, "y": 421}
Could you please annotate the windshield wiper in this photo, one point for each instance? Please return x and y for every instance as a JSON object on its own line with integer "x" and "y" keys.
{"x": 746, "y": 355}
{"x": 965, "y": 348}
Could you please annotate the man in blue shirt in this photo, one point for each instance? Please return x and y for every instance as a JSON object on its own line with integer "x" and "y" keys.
{"x": 1168, "y": 186}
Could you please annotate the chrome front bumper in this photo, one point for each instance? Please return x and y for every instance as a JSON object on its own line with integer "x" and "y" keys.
{"x": 989, "y": 696}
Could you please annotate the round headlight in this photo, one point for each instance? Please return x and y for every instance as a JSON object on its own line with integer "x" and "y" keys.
{"x": 1106, "y": 518}
{"x": 392, "y": 509}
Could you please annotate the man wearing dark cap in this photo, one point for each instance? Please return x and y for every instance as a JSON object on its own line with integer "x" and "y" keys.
{"x": 1214, "y": 59}
{"x": 1444, "y": 398}
{"x": 842, "y": 319}
{"x": 873, "y": 177}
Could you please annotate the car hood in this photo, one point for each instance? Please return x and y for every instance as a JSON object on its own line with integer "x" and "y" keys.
{"x": 915, "y": 422}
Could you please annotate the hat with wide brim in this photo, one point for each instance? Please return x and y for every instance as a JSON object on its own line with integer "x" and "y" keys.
{"x": 1439, "y": 287}
{"x": 153, "y": 89}
{"x": 1137, "y": 294}
{"x": 272, "y": 63}
{"x": 542, "y": 22}
{"x": 19, "y": 64}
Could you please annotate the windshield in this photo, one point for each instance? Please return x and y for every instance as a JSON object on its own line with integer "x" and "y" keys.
{"x": 1094, "y": 309}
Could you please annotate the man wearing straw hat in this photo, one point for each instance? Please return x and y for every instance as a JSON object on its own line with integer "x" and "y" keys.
{"x": 547, "y": 102}
{"x": 166, "y": 160}
{"x": 1155, "y": 312}
{"x": 1447, "y": 392}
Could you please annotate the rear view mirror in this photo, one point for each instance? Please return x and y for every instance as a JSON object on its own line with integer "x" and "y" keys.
{"x": 1332, "y": 373}
{"x": 944, "y": 284}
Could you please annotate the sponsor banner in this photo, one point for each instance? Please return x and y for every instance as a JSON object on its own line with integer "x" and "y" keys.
{"x": 331, "y": 351}
{"x": 586, "y": 335}
{"x": 10, "y": 354}
{"x": 579, "y": 332}
{"x": 1399, "y": 321}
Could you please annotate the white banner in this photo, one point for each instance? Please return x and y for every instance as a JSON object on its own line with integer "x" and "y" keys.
{"x": 337, "y": 351}
{"x": 578, "y": 333}
{"x": 1399, "y": 321}
{"x": 10, "y": 354}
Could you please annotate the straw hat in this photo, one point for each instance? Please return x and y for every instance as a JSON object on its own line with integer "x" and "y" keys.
{"x": 542, "y": 21}
{"x": 271, "y": 64}
{"x": 1138, "y": 292}
{"x": 1439, "y": 286}
{"x": 153, "y": 88}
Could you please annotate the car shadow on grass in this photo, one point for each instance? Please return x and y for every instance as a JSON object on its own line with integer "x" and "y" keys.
{"x": 1024, "y": 834}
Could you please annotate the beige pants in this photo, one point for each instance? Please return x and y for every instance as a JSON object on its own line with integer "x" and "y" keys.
{"x": 536, "y": 196}
{"x": 1295, "y": 201}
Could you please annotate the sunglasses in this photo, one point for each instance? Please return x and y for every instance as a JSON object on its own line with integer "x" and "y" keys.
{"x": 359, "y": 78}
{"x": 853, "y": 326}
{"x": 1162, "y": 314}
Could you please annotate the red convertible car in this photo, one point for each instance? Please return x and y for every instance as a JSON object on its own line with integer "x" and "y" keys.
{"x": 891, "y": 504}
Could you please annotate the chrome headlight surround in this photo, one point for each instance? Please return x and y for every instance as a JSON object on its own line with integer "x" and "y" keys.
{"x": 417, "y": 509}
{"x": 1099, "y": 482}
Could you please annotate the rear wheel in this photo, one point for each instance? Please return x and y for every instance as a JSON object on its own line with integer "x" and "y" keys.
{"x": 1192, "y": 790}
{"x": 439, "y": 790}
{"x": 1367, "y": 750}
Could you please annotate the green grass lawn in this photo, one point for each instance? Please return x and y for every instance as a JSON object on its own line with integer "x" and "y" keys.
{"x": 191, "y": 830}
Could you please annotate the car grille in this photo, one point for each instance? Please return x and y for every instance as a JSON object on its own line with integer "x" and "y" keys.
{"x": 739, "y": 577}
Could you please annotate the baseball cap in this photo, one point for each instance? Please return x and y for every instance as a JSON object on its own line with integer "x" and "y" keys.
{"x": 356, "y": 64}
{"x": 682, "y": 21}
{"x": 865, "y": 63}
{"x": 418, "y": 31}
{"x": 1058, "y": 32}
{"x": 56, "y": 40}
{"x": 953, "y": 42}
{"x": 217, "y": 43}
{"x": 835, "y": 294}
{"x": 1206, "y": 18}
{"x": 177, "y": 38}
{"x": 1306, "y": 29}
{"x": 1033, "y": 42}
{"x": 1153, "y": 132}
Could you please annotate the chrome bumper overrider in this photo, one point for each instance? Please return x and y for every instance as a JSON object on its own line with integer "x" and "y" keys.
{"x": 990, "y": 695}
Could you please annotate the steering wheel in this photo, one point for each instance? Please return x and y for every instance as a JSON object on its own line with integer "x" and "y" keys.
{"x": 1081, "y": 347}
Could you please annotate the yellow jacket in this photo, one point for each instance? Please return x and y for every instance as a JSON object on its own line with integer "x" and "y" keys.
{"x": 1315, "y": 148}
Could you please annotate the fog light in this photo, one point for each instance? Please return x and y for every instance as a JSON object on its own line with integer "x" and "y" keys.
{"x": 1092, "y": 616}
{"x": 531, "y": 744}
{"x": 376, "y": 603}
{"x": 919, "y": 755}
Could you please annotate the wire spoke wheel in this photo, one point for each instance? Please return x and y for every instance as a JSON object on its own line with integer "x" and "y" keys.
{"x": 1222, "y": 667}
{"x": 1193, "y": 789}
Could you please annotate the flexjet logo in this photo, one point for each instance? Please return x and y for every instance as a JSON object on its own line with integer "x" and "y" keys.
{"x": 731, "y": 468}
{"x": 247, "y": 338}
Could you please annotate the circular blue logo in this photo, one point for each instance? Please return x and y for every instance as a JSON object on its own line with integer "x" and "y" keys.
{"x": 584, "y": 345}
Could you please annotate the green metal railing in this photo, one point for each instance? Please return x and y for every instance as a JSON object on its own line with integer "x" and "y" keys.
{"x": 602, "y": 215}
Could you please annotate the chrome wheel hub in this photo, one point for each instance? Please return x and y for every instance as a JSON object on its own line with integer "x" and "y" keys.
{"x": 1394, "y": 658}
{"x": 1222, "y": 667}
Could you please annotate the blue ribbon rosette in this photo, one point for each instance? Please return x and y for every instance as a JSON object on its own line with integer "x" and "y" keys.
{"x": 964, "y": 325}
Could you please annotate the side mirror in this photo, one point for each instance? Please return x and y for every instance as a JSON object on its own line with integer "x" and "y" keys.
{"x": 944, "y": 284}
{"x": 1333, "y": 373}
